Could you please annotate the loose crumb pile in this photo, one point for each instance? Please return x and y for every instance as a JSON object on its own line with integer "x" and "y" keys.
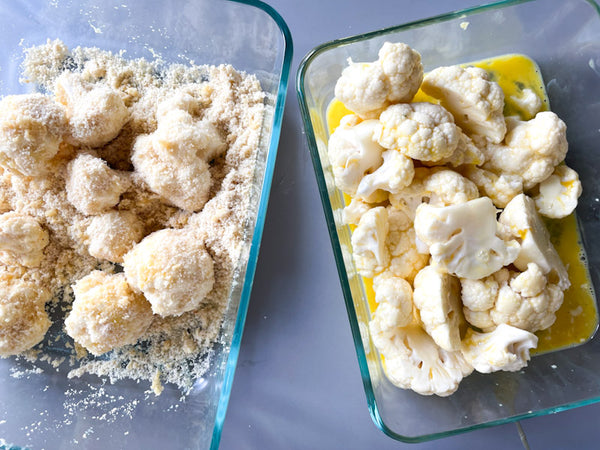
{"x": 149, "y": 155}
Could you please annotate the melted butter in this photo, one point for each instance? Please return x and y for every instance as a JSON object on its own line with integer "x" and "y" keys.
{"x": 577, "y": 319}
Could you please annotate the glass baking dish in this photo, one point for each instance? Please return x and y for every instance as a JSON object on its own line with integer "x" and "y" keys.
{"x": 43, "y": 408}
{"x": 563, "y": 37}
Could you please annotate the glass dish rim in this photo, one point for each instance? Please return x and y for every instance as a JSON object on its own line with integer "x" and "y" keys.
{"x": 335, "y": 242}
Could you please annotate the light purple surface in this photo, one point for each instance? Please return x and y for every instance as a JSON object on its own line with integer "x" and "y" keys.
{"x": 297, "y": 385}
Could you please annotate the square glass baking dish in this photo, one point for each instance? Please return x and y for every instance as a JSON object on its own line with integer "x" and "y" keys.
{"x": 43, "y": 408}
{"x": 563, "y": 37}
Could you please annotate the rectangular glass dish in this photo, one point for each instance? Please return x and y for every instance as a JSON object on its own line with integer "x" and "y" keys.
{"x": 563, "y": 38}
{"x": 40, "y": 407}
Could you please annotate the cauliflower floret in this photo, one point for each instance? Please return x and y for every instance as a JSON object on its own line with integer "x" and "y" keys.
{"x": 113, "y": 234}
{"x": 173, "y": 270}
{"x": 96, "y": 112}
{"x": 22, "y": 240}
{"x": 558, "y": 194}
{"x": 522, "y": 299}
{"x": 409, "y": 198}
{"x": 355, "y": 210}
{"x": 93, "y": 187}
{"x": 476, "y": 103}
{"x": 106, "y": 313}
{"x": 525, "y": 224}
{"x": 437, "y": 297}
{"x": 528, "y": 102}
{"x": 446, "y": 187}
{"x": 505, "y": 348}
{"x": 368, "y": 88}
{"x": 414, "y": 361}
{"x": 31, "y": 130}
{"x": 466, "y": 152}
{"x": 23, "y": 318}
{"x": 422, "y": 131}
{"x": 392, "y": 176}
{"x": 500, "y": 188}
{"x": 394, "y": 298}
{"x": 405, "y": 258}
{"x": 369, "y": 249}
{"x": 532, "y": 149}
{"x": 353, "y": 152}
{"x": 463, "y": 239}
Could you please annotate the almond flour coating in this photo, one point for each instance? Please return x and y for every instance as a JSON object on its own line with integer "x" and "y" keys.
{"x": 100, "y": 204}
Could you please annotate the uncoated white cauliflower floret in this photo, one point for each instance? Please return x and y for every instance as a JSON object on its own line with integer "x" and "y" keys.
{"x": 500, "y": 188}
{"x": 409, "y": 198}
{"x": 93, "y": 187}
{"x": 476, "y": 103}
{"x": 369, "y": 249}
{"x": 112, "y": 234}
{"x": 31, "y": 129}
{"x": 23, "y": 318}
{"x": 353, "y": 152}
{"x": 505, "y": 348}
{"x": 422, "y": 131}
{"x": 405, "y": 258}
{"x": 528, "y": 102}
{"x": 447, "y": 187}
{"x": 524, "y": 300}
{"x": 462, "y": 238}
{"x": 355, "y": 210}
{"x": 466, "y": 152}
{"x": 394, "y": 300}
{"x": 173, "y": 270}
{"x": 395, "y": 173}
{"x": 96, "y": 112}
{"x": 414, "y": 361}
{"x": 22, "y": 240}
{"x": 558, "y": 194}
{"x": 107, "y": 313}
{"x": 368, "y": 88}
{"x": 531, "y": 149}
{"x": 437, "y": 297}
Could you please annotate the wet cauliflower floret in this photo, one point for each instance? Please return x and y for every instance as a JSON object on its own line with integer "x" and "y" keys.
{"x": 173, "y": 270}
{"x": 22, "y": 240}
{"x": 31, "y": 129}
{"x": 112, "y": 234}
{"x": 106, "y": 313}
{"x": 93, "y": 187}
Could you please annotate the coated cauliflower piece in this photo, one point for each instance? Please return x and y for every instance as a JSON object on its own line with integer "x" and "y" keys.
{"x": 531, "y": 149}
{"x": 405, "y": 258}
{"x": 23, "y": 318}
{"x": 368, "y": 88}
{"x": 500, "y": 188}
{"x": 22, "y": 240}
{"x": 414, "y": 361}
{"x": 31, "y": 129}
{"x": 96, "y": 112}
{"x": 353, "y": 152}
{"x": 392, "y": 176}
{"x": 93, "y": 187}
{"x": 112, "y": 234}
{"x": 394, "y": 301}
{"x": 559, "y": 193}
{"x": 521, "y": 299}
{"x": 107, "y": 313}
{"x": 437, "y": 297}
{"x": 525, "y": 224}
{"x": 476, "y": 103}
{"x": 422, "y": 131}
{"x": 173, "y": 270}
{"x": 369, "y": 249}
{"x": 463, "y": 238}
{"x": 506, "y": 348}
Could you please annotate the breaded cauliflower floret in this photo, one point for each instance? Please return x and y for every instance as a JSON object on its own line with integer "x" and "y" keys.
{"x": 559, "y": 193}
{"x": 525, "y": 300}
{"x": 531, "y": 149}
{"x": 353, "y": 152}
{"x": 112, "y": 234}
{"x": 368, "y": 88}
{"x": 173, "y": 270}
{"x": 394, "y": 300}
{"x": 93, "y": 187}
{"x": 23, "y": 318}
{"x": 31, "y": 129}
{"x": 422, "y": 131}
{"x": 106, "y": 313}
{"x": 96, "y": 112}
{"x": 500, "y": 188}
{"x": 22, "y": 240}
{"x": 476, "y": 103}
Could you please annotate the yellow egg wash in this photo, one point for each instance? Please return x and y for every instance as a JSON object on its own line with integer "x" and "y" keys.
{"x": 577, "y": 319}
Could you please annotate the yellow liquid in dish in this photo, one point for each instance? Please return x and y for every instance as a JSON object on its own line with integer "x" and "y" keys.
{"x": 577, "y": 319}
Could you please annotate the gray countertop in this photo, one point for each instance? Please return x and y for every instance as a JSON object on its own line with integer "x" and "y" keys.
{"x": 297, "y": 384}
